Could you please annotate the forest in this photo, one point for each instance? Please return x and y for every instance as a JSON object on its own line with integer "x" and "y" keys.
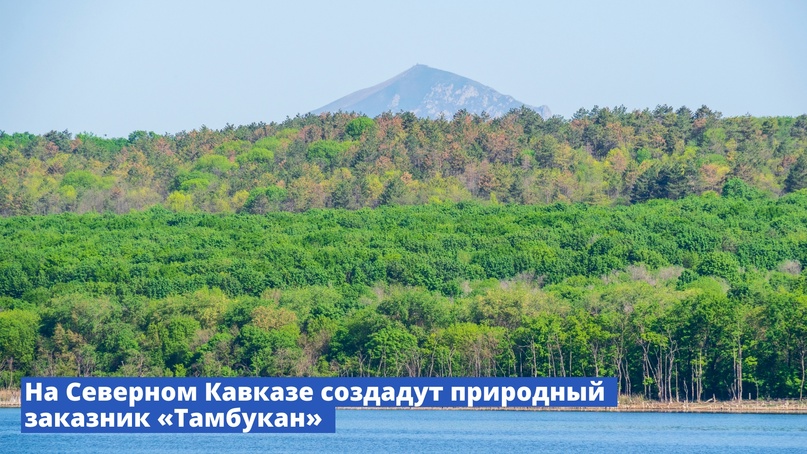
{"x": 689, "y": 299}
{"x": 605, "y": 156}
{"x": 661, "y": 247}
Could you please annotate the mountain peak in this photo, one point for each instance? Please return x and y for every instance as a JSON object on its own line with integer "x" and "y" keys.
{"x": 428, "y": 92}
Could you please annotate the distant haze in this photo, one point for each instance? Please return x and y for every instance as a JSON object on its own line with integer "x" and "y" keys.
{"x": 428, "y": 92}
{"x": 113, "y": 67}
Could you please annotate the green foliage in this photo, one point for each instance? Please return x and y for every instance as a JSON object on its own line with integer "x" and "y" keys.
{"x": 413, "y": 308}
{"x": 14, "y": 281}
{"x": 18, "y": 335}
{"x": 81, "y": 179}
{"x": 327, "y": 149}
{"x": 258, "y": 155}
{"x": 90, "y": 145}
{"x": 358, "y": 126}
{"x": 493, "y": 248}
{"x": 738, "y": 189}
{"x": 602, "y": 156}
{"x": 797, "y": 176}
{"x": 442, "y": 289}
{"x": 194, "y": 180}
{"x": 264, "y": 200}
{"x": 215, "y": 164}
{"x": 178, "y": 201}
{"x": 176, "y": 337}
{"x": 391, "y": 347}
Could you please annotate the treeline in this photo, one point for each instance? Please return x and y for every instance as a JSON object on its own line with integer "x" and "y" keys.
{"x": 686, "y": 299}
{"x": 603, "y": 156}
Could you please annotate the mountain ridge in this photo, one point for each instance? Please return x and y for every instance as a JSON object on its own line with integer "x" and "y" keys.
{"x": 428, "y": 92}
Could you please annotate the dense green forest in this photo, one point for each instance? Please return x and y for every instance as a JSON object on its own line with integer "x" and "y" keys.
{"x": 605, "y": 156}
{"x": 663, "y": 247}
{"x": 680, "y": 299}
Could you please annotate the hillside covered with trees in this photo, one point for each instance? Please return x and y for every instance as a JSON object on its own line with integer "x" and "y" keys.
{"x": 680, "y": 299}
{"x": 603, "y": 157}
{"x": 663, "y": 247}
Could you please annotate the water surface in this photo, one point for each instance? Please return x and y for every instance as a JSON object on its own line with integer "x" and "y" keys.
{"x": 460, "y": 431}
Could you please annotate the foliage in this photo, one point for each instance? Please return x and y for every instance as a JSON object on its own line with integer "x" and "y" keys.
{"x": 358, "y": 126}
{"x": 679, "y": 299}
{"x": 602, "y": 156}
{"x": 663, "y": 247}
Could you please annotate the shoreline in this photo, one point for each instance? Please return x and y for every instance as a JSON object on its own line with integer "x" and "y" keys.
{"x": 780, "y": 407}
{"x": 792, "y": 407}
{"x": 11, "y": 399}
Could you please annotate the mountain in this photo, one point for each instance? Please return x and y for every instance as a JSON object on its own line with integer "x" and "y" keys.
{"x": 428, "y": 92}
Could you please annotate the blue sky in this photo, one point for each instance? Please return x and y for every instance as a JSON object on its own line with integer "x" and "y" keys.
{"x": 114, "y": 67}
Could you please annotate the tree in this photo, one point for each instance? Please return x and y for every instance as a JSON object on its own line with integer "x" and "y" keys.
{"x": 177, "y": 337}
{"x": 264, "y": 200}
{"x": 358, "y": 126}
{"x": 394, "y": 349}
{"x": 178, "y": 201}
{"x": 738, "y": 189}
{"x": 797, "y": 176}
{"x": 18, "y": 336}
{"x": 13, "y": 281}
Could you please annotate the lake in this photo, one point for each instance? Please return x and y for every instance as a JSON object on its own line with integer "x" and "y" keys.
{"x": 461, "y": 431}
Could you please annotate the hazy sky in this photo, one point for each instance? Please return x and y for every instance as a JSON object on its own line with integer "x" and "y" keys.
{"x": 112, "y": 67}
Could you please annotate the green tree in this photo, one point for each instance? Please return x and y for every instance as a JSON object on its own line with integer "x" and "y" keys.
{"x": 797, "y": 176}
{"x": 358, "y": 126}
{"x": 264, "y": 200}
{"x": 18, "y": 337}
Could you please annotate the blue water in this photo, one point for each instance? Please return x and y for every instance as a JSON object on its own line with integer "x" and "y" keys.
{"x": 461, "y": 431}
